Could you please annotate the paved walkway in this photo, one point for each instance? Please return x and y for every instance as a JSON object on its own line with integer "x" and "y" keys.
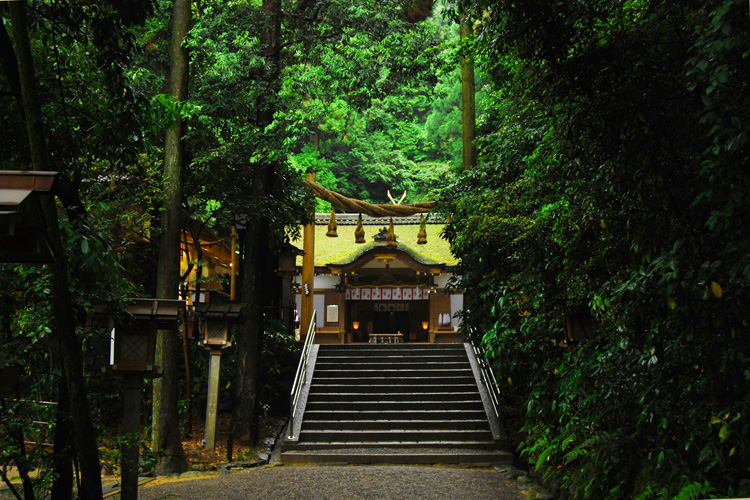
{"x": 341, "y": 483}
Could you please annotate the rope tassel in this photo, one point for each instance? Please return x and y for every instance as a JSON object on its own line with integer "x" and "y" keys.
{"x": 422, "y": 234}
{"x": 359, "y": 233}
{"x": 332, "y": 225}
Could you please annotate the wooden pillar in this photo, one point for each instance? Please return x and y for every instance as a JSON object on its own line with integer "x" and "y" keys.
{"x": 342, "y": 318}
{"x": 233, "y": 286}
{"x": 214, "y": 369}
{"x": 308, "y": 270}
{"x": 131, "y": 426}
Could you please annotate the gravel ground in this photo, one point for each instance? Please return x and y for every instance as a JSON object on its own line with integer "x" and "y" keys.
{"x": 340, "y": 483}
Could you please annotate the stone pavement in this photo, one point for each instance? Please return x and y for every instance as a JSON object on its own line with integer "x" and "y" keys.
{"x": 342, "y": 483}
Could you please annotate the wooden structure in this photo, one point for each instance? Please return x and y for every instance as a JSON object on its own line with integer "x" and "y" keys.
{"x": 394, "y": 281}
{"x": 214, "y": 321}
{"x": 133, "y": 345}
{"x": 23, "y": 228}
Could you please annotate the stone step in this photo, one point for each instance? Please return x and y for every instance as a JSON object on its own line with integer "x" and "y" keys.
{"x": 342, "y": 386}
{"x": 367, "y": 347}
{"x": 395, "y": 405}
{"x": 392, "y": 435}
{"x": 395, "y": 356}
{"x": 412, "y": 381}
{"x": 398, "y": 456}
{"x": 375, "y": 445}
{"x": 393, "y": 415}
{"x": 465, "y": 424}
{"x": 387, "y": 351}
{"x": 380, "y": 396}
{"x": 394, "y": 373}
{"x": 356, "y": 365}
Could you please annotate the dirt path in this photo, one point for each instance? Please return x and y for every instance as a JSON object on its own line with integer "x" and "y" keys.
{"x": 341, "y": 483}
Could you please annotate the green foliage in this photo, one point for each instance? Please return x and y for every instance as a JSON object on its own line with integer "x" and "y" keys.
{"x": 364, "y": 101}
{"x": 612, "y": 181}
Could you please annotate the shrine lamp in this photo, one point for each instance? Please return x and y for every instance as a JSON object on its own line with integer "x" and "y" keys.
{"x": 214, "y": 321}
{"x": 288, "y": 260}
{"x": 23, "y": 227}
{"x": 133, "y": 345}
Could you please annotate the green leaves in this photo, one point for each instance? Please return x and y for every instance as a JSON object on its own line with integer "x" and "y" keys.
{"x": 590, "y": 199}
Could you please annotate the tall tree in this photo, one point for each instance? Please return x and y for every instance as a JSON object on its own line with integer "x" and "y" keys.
{"x": 245, "y": 418}
{"x": 166, "y": 441}
{"x": 70, "y": 347}
{"x": 468, "y": 91}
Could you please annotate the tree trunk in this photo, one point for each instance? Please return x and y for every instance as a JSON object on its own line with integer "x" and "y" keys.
{"x": 70, "y": 347}
{"x": 165, "y": 435}
{"x": 467, "y": 93}
{"x": 249, "y": 337}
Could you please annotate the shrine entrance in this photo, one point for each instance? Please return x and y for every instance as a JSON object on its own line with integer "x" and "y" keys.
{"x": 376, "y": 276}
{"x": 379, "y": 317}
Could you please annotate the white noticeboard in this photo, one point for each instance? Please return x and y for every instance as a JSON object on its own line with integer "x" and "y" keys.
{"x": 332, "y": 314}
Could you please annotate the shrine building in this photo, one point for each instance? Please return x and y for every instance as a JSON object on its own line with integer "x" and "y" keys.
{"x": 378, "y": 288}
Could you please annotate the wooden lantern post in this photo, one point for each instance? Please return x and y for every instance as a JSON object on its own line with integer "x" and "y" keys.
{"x": 133, "y": 346}
{"x": 23, "y": 233}
{"x": 213, "y": 322}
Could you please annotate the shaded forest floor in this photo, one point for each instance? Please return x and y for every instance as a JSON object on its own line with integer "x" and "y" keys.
{"x": 196, "y": 454}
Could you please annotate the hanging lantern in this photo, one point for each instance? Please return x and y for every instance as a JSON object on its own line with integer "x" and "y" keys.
{"x": 390, "y": 238}
{"x": 332, "y": 225}
{"x": 422, "y": 234}
{"x": 359, "y": 233}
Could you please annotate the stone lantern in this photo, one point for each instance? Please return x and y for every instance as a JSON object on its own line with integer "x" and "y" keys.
{"x": 213, "y": 323}
{"x": 288, "y": 270}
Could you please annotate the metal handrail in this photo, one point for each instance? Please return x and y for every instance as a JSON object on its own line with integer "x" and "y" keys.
{"x": 488, "y": 376}
{"x": 300, "y": 378}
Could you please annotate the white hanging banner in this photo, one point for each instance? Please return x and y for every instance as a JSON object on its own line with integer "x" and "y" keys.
{"x": 376, "y": 294}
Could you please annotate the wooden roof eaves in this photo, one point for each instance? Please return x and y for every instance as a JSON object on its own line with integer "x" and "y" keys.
{"x": 373, "y": 254}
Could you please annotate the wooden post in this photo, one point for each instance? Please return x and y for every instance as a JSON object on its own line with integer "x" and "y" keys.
{"x": 308, "y": 269}
{"x": 213, "y": 399}
{"x": 233, "y": 281}
{"x": 131, "y": 423}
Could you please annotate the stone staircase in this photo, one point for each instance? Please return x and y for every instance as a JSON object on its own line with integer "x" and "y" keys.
{"x": 395, "y": 403}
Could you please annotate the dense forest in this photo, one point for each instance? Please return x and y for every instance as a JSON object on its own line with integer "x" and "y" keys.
{"x": 612, "y": 192}
{"x": 603, "y": 233}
